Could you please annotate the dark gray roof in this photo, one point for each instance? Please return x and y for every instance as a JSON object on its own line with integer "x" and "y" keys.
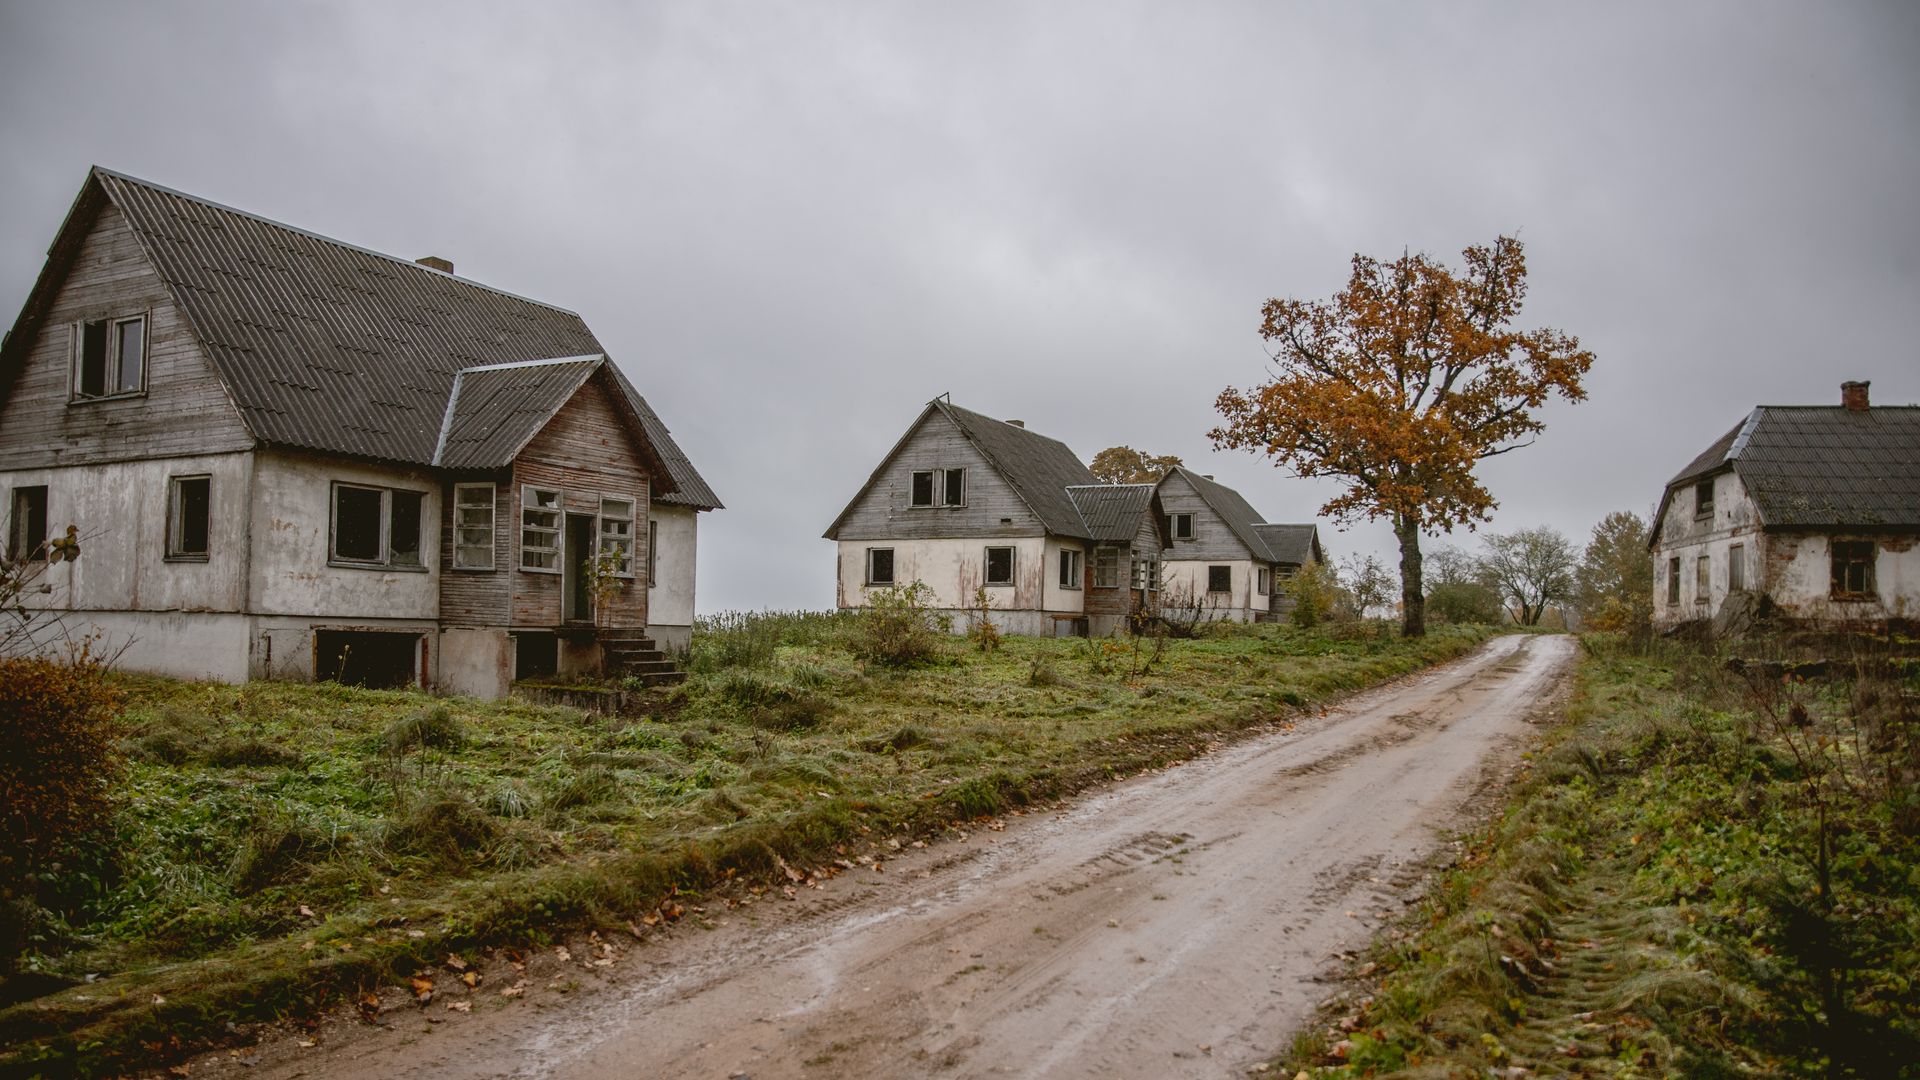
{"x": 1112, "y": 512}
{"x": 1038, "y": 468}
{"x": 330, "y": 347}
{"x": 1234, "y": 509}
{"x": 1295, "y": 544}
{"x": 1813, "y": 466}
{"x": 494, "y": 410}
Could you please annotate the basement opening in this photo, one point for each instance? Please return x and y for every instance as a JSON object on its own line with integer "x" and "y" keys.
{"x": 374, "y": 659}
{"x": 535, "y": 655}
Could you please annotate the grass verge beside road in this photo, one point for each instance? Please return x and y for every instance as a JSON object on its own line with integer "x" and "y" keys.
{"x": 1712, "y": 869}
{"x": 282, "y": 847}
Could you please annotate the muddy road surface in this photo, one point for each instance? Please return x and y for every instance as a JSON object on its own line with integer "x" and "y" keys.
{"x": 1175, "y": 925}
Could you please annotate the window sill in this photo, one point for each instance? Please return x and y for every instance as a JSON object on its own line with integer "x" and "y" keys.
{"x": 385, "y": 568}
{"x": 474, "y": 569}
{"x": 187, "y": 558}
{"x": 540, "y": 570}
{"x": 998, "y": 585}
{"x": 89, "y": 400}
{"x": 1069, "y": 588}
{"x": 1854, "y": 598}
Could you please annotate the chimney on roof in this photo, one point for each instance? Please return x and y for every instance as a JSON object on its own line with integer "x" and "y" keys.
{"x": 1854, "y": 396}
{"x": 435, "y": 262}
{"x": 1017, "y": 423}
{"x": 1208, "y": 476}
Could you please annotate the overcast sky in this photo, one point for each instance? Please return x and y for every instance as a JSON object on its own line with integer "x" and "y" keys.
{"x": 792, "y": 225}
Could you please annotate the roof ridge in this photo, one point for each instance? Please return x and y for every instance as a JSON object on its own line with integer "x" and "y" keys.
{"x": 324, "y": 238}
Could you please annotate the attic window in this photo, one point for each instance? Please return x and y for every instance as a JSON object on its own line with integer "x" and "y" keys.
{"x": 1703, "y": 499}
{"x": 1180, "y": 526}
{"x": 110, "y": 357}
{"x": 1853, "y": 570}
{"x": 954, "y": 493}
{"x": 922, "y": 492}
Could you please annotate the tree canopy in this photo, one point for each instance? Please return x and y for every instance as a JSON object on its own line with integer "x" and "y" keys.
{"x": 1125, "y": 465}
{"x": 1531, "y": 570}
{"x": 1615, "y": 579}
{"x": 1399, "y": 385}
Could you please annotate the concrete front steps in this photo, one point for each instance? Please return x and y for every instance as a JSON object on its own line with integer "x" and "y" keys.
{"x": 632, "y": 654}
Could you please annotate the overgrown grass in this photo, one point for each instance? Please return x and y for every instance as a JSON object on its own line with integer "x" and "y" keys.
{"x": 378, "y": 829}
{"x": 1653, "y": 901}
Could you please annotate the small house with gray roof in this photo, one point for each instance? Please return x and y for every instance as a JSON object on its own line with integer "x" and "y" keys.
{"x": 290, "y": 457}
{"x": 964, "y": 502}
{"x": 1814, "y": 507}
{"x": 1224, "y": 560}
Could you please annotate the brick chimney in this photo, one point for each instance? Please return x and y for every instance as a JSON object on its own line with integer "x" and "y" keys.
{"x": 1854, "y": 396}
{"x": 435, "y": 262}
{"x": 1017, "y": 423}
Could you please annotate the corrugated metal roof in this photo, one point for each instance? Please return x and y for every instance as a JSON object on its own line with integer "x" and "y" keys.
{"x": 1296, "y": 544}
{"x": 1112, "y": 512}
{"x": 1822, "y": 465}
{"x": 1040, "y": 469}
{"x": 494, "y": 410}
{"x": 1232, "y": 507}
{"x": 330, "y": 347}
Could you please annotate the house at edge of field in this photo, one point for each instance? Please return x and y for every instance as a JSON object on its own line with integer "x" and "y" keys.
{"x": 292, "y": 458}
{"x": 1814, "y": 507}
{"x": 964, "y": 501}
{"x": 1223, "y": 557}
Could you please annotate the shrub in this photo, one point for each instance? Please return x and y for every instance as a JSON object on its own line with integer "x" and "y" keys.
{"x": 1465, "y": 602}
{"x": 1313, "y": 589}
{"x": 435, "y": 727}
{"x": 272, "y": 852}
{"x": 1041, "y": 672}
{"x": 450, "y": 831}
{"x": 897, "y": 628}
{"x": 56, "y": 776}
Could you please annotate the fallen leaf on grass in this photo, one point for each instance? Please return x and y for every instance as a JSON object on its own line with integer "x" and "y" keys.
{"x": 309, "y": 1043}
{"x": 561, "y": 953}
{"x": 471, "y": 978}
{"x": 455, "y": 962}
{"x": 369, "y": 1006}
{"x": 422, "y": 989}
{"x": 306, "y": 912}
{"x": 515, "y": 990}
{"x": 460, "y": 1006}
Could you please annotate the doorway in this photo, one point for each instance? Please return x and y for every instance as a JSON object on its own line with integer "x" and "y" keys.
{"x": 576, "y": 603}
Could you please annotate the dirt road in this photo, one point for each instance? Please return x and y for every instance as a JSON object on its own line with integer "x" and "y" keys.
{"x": 1173, "y": 925}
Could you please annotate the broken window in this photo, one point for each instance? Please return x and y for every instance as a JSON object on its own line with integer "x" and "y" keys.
{"x": 1106, "y": 568}
{"x": 1702, "y": 579}
{"x": 1263, "y": 581}
{"x": 1703, "y": 499}
{"x": 473, "y": 526}
{"x": 1000, "y": 566}
{"x": 376, "y": 526}
{"x": 616, "y": 536}
{"x": 27, "y": 525}
{"x": 540, "y": 529}
{"x": 1219, "y": 579}
{"x": 1673, "y": 581}
{"x": 1179, "y": 526}
{"x": 1146, "y": 572}
{"x": 110, "y": 357}
{"x": 189, "y": 507}
{"x": 955, "y": 491}
{"x": 922, "y": 492}
{"x": 1069, "y": 568}
{"x": 879, "y": 566}
{"x": 1736, "y": 567}
{"x": 1853, "y": 569}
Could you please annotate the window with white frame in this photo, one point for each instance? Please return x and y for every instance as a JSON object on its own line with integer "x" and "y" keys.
{"x": 376, "y": 526}
{"x": 1263, "y": 581}
{"x": 1146, "y": 572}
{"x": 540, "y": 529}
{"x": 1106, "y": 568}
{"x": 188, "y": 514}
{"x": 1069, "y": 568}
{"x": 110, "y": 357}
{"x": 473, "y": 526}
{"x": 616, "y": 535}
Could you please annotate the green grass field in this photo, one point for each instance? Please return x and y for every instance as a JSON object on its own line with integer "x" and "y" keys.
{"x": 281, "y": 845}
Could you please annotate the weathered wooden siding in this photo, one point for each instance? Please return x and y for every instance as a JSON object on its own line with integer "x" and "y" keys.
{"x": 993, "y": 510}
{"x": 479, "y": 598}
{"x": 185, "y": 410}
{"x": 1212, "y": 539}
{"x": 586, "y": 451}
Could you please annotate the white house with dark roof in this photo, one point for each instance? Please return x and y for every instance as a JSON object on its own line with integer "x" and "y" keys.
{"x": 964, "y": 502}
{"x": 1222, "y": 557}
{"x": 1816, "y": 507}
{"x": 290, "y": 457}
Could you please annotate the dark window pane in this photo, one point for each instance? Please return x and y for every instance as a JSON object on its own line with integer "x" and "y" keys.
{"x": 880, "y": 566}
{"x": 93, "y": 359}
{"x": 356, "y": 524}
{"x": 956, "y": 487}
{"x": 1000, "y": 566}
{"x": 403, "y": 543}
{"x": 28, "y": 534}
{"x": 1219, "y": 579}
{"x": 131, "y": 352}
{"x": 923, "y": 489}
{"x": 193, "y": 494}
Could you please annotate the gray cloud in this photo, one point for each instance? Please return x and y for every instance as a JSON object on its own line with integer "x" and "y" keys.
{"x": 794, "y": 224}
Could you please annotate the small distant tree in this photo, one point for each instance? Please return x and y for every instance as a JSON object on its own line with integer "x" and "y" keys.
{"x": 1531, "y": 570}
{"x": 1615, "y": 578}
{"x": 980, "y": 626}
{"x": 1399, "y": 386}
{"x": 1125, "y": 465}
{"x": 1452, "y": 566}
{"x": 1314, "y": 589}
{"x": 1366, "y": 579}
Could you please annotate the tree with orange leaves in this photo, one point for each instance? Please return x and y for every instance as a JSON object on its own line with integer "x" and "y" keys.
{"x": 1398, "y": 386}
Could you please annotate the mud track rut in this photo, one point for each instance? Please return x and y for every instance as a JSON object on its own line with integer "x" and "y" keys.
{"x": 1174, "y": 925}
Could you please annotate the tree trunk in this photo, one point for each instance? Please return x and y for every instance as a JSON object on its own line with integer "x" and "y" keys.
{"x": 1413, "y": 594}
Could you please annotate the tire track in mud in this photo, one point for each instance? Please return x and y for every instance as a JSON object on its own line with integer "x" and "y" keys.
{"x": 1177, "y": 924}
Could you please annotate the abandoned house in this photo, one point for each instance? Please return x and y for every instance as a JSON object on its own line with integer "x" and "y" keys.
{"x": 1223, "y": 560}
{"x": 965, "y": 502}
{"x": 288, "y": 457}
{"x": 1814, "y": 507}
